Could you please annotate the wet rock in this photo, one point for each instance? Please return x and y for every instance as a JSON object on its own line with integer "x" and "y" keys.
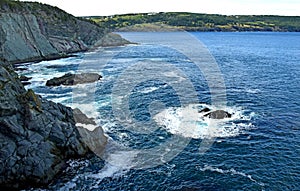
{"x": 95, "y": 139}
{"x": 82, "y": 118}
{"x": 73, "y": 79}
{"x": 204, "y": 110}
{"x": 218, "y": 114}
{"x": 25, "y": 83}
{"x": 37, "y": 136}
{"x": 24, "y": 78}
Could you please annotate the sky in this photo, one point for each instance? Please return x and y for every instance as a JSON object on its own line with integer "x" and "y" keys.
{"x": 225, "y": 7}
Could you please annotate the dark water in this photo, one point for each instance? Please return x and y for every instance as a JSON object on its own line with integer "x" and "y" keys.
{"x": 258, "y": 149}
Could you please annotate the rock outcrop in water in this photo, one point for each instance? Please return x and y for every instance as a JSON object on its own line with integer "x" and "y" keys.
{"x": 36, "y": 136}
{"x": 25, "y": 80}
{"x": 217, "y": 114}
{"x": 73, "y": 79}
{"x": 95, "y": 139}
{"x": 34, "y": 31}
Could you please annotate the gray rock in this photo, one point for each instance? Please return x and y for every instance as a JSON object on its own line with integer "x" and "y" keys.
{"x": 218, "y": 114}
{"x": 37, "y": 136}
{"x": 82, "y": 118}
{"x": 112, "y": 39}
{"x": 73, "y": 79}
{"x": 25, "y": 80}
{"x": 204, "y": 110}
{"x": 46, "y": 32}
{"x": 95, "y": 139}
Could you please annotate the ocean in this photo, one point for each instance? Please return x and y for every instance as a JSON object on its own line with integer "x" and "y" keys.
{"x": 148, "y": 104}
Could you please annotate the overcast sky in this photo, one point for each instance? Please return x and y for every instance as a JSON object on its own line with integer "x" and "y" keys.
{"x": 226, "y": 7}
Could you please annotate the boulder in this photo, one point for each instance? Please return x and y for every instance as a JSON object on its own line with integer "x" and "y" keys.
{"x": 94, "y": 139}
{"x": 37, "y": 136}
{"x": 82, "y": 118}
{"x": 73, "y": 79}
{"x": 25, "y": 80}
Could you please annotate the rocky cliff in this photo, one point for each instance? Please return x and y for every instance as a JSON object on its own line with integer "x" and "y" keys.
{"x": 34, "y": 31}
{"x": 38, "y": 136}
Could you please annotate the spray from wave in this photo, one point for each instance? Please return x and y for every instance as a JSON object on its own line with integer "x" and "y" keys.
{"x": 197, "y": 126}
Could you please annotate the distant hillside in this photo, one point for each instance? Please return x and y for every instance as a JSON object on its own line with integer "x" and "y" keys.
{"x": 35, "y": 31}
{"x": 200, "y": 22}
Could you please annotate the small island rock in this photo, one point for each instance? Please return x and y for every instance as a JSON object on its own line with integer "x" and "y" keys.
{"x": 218, "y": 114}
{"x": 73, "y": 79}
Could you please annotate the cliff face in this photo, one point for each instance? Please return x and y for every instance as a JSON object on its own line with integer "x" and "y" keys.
{"x": 38, "y": 136}
{"x": 34, "y": 31}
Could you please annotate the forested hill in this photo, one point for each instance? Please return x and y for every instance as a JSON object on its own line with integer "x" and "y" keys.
{"x": 199, "y": 22}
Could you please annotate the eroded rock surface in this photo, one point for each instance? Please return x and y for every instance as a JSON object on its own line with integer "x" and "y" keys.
{"x": 37, "y": 136}
{"x": 73, "y": 79}
{"x": 217, "y": 114}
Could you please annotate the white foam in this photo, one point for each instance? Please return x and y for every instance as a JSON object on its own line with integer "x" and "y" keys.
{"x": 148, "y": 90}
{"x": 174, "y": 75}
{"x": 117, "y": 163}
{"x": 231, "y": 171}
{"x": 107, "y": 171}
{"x": 248, "y": 90}
{"x": 107, "y": 126}
{"x": 253, "y": 91}
{"x": 59, "y": 100}
{"x": 55, "y": 94}
{"x": 188, "y": 122}
{"x": 88, "y": 109}
{"x": 90, "y": 127}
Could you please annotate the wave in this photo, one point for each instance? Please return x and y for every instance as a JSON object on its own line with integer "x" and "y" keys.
{"x": 117, "y": 164}
{"x": 231, "y": 171}
{"x": 188, "y": 122}
{"x": 247, "y": 90}
{"x": 149, "y": 90}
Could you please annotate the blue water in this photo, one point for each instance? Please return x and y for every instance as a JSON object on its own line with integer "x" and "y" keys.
{"x": 258, "y": 149}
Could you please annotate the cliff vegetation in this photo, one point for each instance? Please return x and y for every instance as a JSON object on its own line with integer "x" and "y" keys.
{"x": 199, "y": 22}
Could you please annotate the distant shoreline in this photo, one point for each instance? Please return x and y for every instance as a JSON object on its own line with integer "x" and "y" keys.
{"x": 198, "y": 22}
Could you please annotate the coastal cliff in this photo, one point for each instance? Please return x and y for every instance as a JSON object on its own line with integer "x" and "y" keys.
{"x": 34, "y": 31}
{"x": 37, "y": 136}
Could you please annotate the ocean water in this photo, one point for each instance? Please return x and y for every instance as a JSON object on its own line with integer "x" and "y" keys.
{"x": 148, "y": 103}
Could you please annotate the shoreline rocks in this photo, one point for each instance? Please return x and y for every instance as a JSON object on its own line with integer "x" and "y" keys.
{"x": 37, "y": 136}
{"x": 73, "y": 79}
{"x": 25, "y": 80}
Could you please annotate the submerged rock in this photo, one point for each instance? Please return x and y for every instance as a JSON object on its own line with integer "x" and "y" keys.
{"x": 37, "y": 136}
{"x": 73, "y": 79}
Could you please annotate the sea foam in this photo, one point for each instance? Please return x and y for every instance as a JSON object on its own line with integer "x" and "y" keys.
{"x": 188, "y": 122}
